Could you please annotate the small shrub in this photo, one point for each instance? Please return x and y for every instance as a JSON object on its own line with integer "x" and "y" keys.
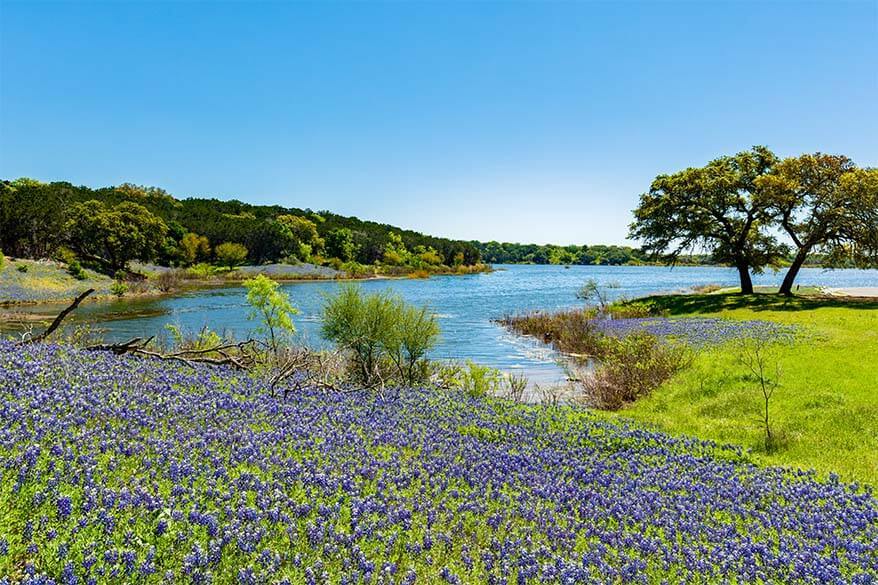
{"x": 21, "y": 267}
{"x": 631, "y": 367}
{"x": 272, "y": 308}
{"x": 2, "y": 260}
{"x": 419, "y": 274}
{"x": 593, "y": 292}
{"x": 74, "y": 269}
{"x": 118, "y": 288}
{"x": 473, "y": 379}
{"x": 168, "y": 280}
{"x": 515, "y": 386}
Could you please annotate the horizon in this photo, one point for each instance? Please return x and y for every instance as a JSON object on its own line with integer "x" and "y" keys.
{"x": 520, "y": 130}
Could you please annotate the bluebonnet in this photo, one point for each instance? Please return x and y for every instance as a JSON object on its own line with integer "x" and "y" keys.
{"x": 162, "y": 473}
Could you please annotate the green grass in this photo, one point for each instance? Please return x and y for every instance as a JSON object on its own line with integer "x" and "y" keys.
{"x": 826, "y": 408}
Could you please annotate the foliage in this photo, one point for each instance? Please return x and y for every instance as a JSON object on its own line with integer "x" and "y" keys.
{"x": 119, "y": 288}
{"x": 513, "y": 253}
{"x": 386, "y": 338}
{"x": 194, "y": 248}
{"x": 340, "y": 244}
{"x": 113, "y": 236}
{"x": 630, "y": 368}
{"x": 473, "y": 379}
{"x": 716, "y": 207}
{"x": 21, "y": 267}
{"x": 122, "y": 470}
{"x": 303, "y": 236}
{"x": 2, "y": 260}
{"x": 272, "y": 308}
{"x": 230, "y": 254}
{"x": 825, "y": 204}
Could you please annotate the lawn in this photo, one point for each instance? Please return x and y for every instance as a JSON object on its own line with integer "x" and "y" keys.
{"x": 826, "y": 407}
{"x": 129, "y": 470}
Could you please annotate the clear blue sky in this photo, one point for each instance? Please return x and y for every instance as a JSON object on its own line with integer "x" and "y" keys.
{"x": 517, "y": 121}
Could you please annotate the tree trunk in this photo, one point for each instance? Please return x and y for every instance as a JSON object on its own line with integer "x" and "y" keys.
{"x": 746, "y": 281}
{"x": 786, "y": 287}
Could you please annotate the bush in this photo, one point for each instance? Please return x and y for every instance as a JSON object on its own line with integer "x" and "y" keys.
{"x": 74, "y": 269}
{"x": 168, "y": 280}
{"x": 21, "y": 267}
{"x": 118, "y": 288}
{"x": 386, "y": 338}
{"x": 2, "y": 260}
{"x": 631, "y": 367}
{"x": 471, "y": 378}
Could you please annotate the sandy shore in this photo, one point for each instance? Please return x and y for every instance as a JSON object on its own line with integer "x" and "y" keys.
{"x": 854, "y": 291}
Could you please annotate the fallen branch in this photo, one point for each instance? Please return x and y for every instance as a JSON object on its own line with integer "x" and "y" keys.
{"x": 61, "y": 316}
{"x": 242, "y": 361}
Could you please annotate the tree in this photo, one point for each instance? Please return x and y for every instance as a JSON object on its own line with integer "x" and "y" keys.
{"x": 113, "y": 236}
{"x": 272, "y": 308}
{"x": 823, "y": 204}
{"x": 194, "y": 247}
{"x": 303, "y": 234}
{"x": 715, "y": 207}
{"x": 230, "y": 254}
{"x": 340, "y": 244}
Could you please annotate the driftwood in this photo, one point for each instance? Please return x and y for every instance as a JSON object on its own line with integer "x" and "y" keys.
{"x": 59, "y": 319}
{"x": 243, "y": 359}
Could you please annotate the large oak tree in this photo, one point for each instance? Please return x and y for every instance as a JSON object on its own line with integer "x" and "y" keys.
{"x": 715, "y": 208}
{"x": 824, "y": 204}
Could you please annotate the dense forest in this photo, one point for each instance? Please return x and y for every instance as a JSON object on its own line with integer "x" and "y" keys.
{"x": 108, "y": 227}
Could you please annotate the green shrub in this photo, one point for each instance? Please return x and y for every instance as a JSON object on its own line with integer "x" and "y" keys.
{"x": 21, "y": 267}
{"x": 118, "y": 288}
{"x": 2, "y": 260}
{"x": 74, "y": 269}
{"x": 386, "y": 339}
{"x": 272, "y": 308}
{"x": 474, "y": 379}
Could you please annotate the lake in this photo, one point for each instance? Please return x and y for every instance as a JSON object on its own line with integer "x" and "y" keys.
{"x": 464, "y": 305}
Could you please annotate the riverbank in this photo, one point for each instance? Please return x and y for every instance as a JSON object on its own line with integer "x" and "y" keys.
{"x": 824, "y": 412}
{"x": 30, "y": 282}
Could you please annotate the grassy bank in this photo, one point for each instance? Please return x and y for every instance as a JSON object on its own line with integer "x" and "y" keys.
{"x": 31, "y": 281}
{"x": 826, "y": 407}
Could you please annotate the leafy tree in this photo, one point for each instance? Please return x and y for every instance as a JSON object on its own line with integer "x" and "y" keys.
{"x": 823, "y": 204}
{"x": 340, "y": 244}
{"x": 395, "y": 252}
{"x": 230, "y": 254}
{"x": 715, "y": 207}
{"x": 272, "y": 308}
{"x": 194, "y": 248}
{"x": 113, "y": 236}
{"x": 303, "y": 234}
{"x": 384, "y": 336}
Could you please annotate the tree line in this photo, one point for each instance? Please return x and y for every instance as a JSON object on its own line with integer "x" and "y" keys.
{"x": 754, "y": 210}
{"x": 601, "y": 255}
{"x": 111, "y": 226}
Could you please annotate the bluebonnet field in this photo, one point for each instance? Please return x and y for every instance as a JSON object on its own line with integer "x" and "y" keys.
{"x": 699, "y": 331}
{"x": 119, "y": 469}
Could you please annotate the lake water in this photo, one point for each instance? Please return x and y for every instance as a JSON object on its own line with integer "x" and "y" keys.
{"x": 464, "y": 305}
